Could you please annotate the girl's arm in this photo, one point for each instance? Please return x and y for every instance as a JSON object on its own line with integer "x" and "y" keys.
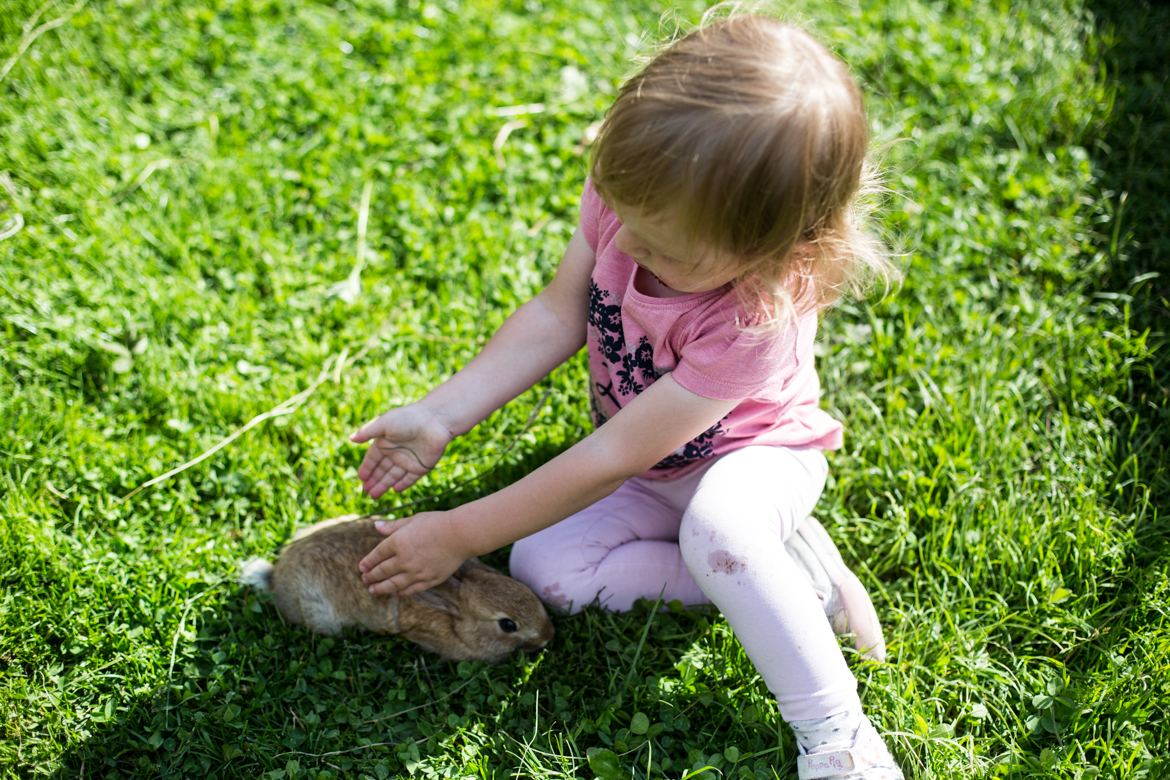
{"x": 423, "y": 550}
{"x": 406, "y": 442}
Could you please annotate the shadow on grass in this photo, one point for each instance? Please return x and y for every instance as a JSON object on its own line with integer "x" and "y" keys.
{"x": 1132, "y": 162}
{"x": 252, "y": 697}
{"x": 1133, "y": 167}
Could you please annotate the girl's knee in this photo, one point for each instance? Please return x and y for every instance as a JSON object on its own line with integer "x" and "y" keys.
{"x": 699, "y": 535}
{"x": 552, "y": 577}
{"x": 528, "y": 563}
{"x": 712, "y": 539}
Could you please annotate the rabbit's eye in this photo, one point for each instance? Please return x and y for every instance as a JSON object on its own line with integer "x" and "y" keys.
{"x": 507, "y": 626}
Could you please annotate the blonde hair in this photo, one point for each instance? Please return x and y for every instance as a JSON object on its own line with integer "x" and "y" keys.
{"x": 753, "y": 136}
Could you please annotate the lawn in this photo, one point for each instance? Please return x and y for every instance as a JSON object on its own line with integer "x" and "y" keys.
{"x": 288, "y": 215}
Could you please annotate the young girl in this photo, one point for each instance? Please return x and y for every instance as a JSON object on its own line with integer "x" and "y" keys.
{"x": 717, "y": 222}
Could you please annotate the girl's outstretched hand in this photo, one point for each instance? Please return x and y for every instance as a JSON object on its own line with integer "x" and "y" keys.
{"x": 405, "y": 443}
{"x": 418, "y": 553}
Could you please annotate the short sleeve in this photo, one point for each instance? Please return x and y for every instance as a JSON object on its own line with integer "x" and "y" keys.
{"x": 725, "y": 362}
{"x": 591, "y": 208}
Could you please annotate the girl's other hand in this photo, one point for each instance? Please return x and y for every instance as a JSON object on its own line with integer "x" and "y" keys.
{"x": 418, "y": 553}
{"x": 405, "y": 443}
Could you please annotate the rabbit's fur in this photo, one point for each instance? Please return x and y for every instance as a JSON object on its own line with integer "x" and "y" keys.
{"x": 476, "y": 614}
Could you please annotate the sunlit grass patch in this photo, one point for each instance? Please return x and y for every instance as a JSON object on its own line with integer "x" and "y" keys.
{"x": 190, "y": 181}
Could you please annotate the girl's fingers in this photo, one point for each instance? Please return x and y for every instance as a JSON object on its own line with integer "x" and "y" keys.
{"x": 404, "y": 584}
{"x": 369, "y": 562}
{"x": 378, "y": 559}
{"x": 368, "y": 471}
{"x": 386, "y": 527}
{"x": 373, "y": 463}
{"x": 387, "y": 577}
{"x": 379, "y": 471}
{"x": 369, "y": 463}
{"x": 406, "y": 481}
{"x": 370, "y": 486}
{"x": 380, "y": 572}
{"x": 381, "y": 483}
{"x": 381, "y": 478}
{"x": 393, "y": 583}
{"x": 390, "y": 567}
{"x": 366, "y": 432}
{"x": 390, "y": 587}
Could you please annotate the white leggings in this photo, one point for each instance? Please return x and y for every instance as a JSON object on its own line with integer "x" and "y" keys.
{"x": 715, "y": 536}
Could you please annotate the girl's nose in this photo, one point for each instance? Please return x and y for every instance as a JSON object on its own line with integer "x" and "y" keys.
{"x": 627, "y": 242}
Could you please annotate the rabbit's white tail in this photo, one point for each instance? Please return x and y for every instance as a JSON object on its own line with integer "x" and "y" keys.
{"x": 257, "y": 573}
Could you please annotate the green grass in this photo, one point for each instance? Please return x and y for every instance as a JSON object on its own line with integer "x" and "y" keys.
{"x": 189, "y": 177}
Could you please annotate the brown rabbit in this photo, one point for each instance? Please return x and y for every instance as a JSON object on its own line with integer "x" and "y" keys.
{"x": 476, "y": 614}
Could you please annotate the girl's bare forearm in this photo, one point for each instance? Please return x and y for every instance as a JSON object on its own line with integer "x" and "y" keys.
{"x": 564, "y": 485}
{"x": 655, "y": 423}
{"x": 531, "y": 343}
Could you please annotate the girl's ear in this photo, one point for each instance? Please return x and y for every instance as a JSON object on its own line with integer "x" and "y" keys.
{"x": 804, "y": 250}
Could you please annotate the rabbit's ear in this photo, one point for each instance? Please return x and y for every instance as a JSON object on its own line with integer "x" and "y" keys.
{"x": 448, "y": 592}
{"x": 470, "y": 565}
{"x": 432, "y": 599}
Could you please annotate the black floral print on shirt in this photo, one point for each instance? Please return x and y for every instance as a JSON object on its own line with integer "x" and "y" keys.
{"x": 632, "y": 372}
{"x": 702, "y": 446}
{"x": 642, "y": 362}
{"x": 606, "y": 317}
{"x": 597, "y": 391}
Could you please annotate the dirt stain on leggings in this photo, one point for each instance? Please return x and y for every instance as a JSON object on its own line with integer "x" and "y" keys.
{"x": 555, "y": 595}
{"x": 725, "y": 562}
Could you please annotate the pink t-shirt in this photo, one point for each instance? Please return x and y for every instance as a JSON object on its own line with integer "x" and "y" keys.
{"x": 634, "y": 338}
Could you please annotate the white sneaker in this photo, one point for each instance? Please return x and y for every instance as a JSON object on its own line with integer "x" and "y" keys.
{"x": 846, "y": 602}
{"x": 864, "y": 757}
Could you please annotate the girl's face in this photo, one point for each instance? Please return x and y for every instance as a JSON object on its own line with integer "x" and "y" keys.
{"x": 658, "y": 244}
